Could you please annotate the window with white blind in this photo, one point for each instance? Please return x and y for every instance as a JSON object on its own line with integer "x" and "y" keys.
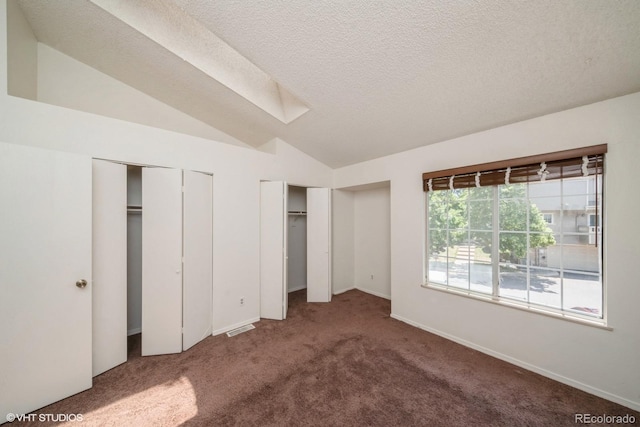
{"x": 526, "y": 232}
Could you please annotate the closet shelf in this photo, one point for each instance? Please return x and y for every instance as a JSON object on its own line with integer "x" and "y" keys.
{"x": 297, "y": 213}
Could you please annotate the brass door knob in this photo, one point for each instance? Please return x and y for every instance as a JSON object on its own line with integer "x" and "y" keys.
{"x": 81, "y": 283}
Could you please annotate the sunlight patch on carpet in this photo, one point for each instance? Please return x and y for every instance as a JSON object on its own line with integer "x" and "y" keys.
{"x": 153, "y": 406}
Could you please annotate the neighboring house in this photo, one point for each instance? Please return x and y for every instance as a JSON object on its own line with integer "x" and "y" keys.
{"x": 573, "y": 218}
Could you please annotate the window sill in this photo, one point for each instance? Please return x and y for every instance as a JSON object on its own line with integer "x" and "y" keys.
{"x": 600, "y": 324}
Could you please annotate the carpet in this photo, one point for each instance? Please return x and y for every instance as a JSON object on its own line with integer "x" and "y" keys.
{"x": 344, "y": 363}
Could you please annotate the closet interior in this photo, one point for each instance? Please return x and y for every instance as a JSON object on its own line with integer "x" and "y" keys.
{"x": 296, "y": 238}
{"x": 134, "y": 250}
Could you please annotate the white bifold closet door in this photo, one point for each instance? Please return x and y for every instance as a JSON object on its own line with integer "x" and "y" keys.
{"x": 161, "y": 261}
{"x": 177, "y": 259}
{"x": 198, "y": 258}
{"x": 109, "y": 265}
{"x": 45, "y": 277}
{"x": 273, "y": 250}
{"x": 318, "y": 244}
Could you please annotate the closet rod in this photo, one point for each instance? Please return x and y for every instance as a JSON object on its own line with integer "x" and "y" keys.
{"x": 297, "y": 213}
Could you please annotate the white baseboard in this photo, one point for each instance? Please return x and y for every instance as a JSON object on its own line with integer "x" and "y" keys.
{"x": 297, "y": 288}
{"x": 134, "y": 331}
{"x": 234, "y": 326}
{"x": 378, "y": 294}
{"x": 560, "y": 378}
{"x": 342, "y": 291}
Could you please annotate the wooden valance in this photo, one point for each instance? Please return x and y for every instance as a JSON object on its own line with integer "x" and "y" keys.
{"x": 560, "y": 164}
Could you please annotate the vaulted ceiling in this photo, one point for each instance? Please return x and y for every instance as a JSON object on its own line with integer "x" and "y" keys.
{"x": 351, "y": 80}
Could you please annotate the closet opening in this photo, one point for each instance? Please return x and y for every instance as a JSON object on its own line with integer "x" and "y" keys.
{"x": 134, "y": 259}
{"x": 295, "y": 245}
{"x": 296, "y": 238}
{"x": 152, "y": 261}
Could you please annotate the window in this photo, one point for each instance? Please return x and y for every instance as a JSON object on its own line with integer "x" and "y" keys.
{"x": 533, "y": 241}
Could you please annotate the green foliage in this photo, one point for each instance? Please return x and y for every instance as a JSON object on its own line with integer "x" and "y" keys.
{"x": 447, "y": 209}
{"x": 461, "y": 210}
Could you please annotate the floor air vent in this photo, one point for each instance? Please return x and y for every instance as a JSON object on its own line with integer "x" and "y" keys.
{"x": 240, "y": 330}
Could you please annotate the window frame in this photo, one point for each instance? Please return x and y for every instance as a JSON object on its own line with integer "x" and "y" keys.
{"x": 527, "y": 305}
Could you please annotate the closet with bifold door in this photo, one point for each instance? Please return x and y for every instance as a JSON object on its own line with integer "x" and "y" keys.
{"x": 156, "y": 259}
{"x": 295, "y": 245}
{"x": 65, "y": 241}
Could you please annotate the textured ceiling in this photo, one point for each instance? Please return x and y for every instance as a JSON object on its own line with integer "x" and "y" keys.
{"x": 378, "y": 77}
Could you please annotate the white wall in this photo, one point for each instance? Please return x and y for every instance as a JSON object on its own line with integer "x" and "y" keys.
{"x": 22, "y": 72}
{"x": 361, "y": 239}
{"x": 372, "y": 245}
{"x": 306, "y": 173}
{"x": 599, "y": 361}
{"x": 237, "y": 172}
{"x": 65, "y": 82}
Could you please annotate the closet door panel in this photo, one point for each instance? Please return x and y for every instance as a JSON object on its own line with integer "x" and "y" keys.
{"x": 45, "y": 248}
{"x": 318, "y": 245}
{"x": 273, "y": 267}
{"x": 198, "y": 258}
{"x": 109, "y": 265}
{"x": 161, "y": 261}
